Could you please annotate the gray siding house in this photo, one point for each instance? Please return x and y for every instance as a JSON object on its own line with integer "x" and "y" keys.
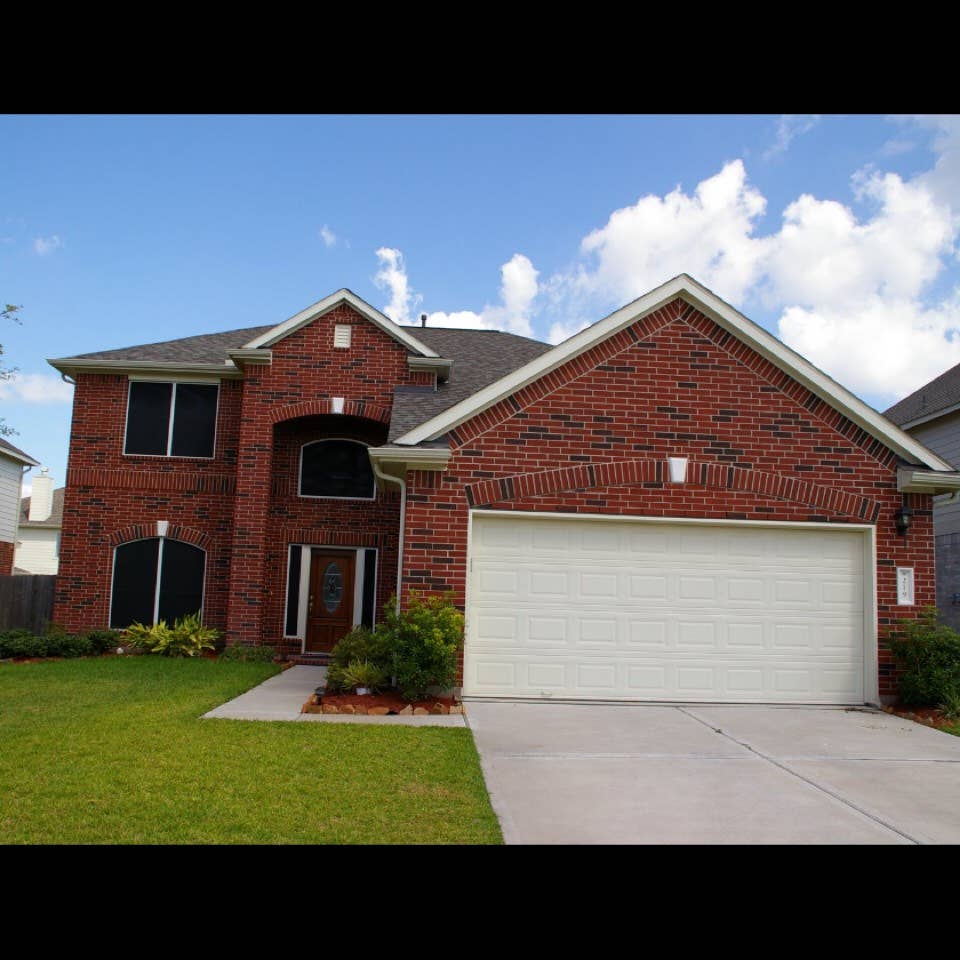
{"x": 932, "y": 415}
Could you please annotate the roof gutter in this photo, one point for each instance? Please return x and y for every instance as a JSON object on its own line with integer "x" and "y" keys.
{"x": 71, "y": 366}
{"x": 912, "y": 480}
{"x": 396, "y": 461}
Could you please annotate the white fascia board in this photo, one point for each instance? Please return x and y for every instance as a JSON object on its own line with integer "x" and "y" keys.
{"x": 119, "y": 367}
{"x": 910, "y": 480}
{"x": 725, "y": 316}
{"x": 20, "y": 458}
{"x": 246, "y": 355}
{"x": 323, "y": 306}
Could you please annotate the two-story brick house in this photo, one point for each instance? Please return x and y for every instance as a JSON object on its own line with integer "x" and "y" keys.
{"x": 670, "y": 505}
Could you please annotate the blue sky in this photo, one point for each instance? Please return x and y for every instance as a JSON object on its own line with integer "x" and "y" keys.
{"x": 836, "y": 233}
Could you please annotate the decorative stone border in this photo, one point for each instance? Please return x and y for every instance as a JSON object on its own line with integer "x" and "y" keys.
{"x": 313, "y": 706}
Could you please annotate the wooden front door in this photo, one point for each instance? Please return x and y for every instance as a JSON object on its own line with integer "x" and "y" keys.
{"x": 330, "y": 604}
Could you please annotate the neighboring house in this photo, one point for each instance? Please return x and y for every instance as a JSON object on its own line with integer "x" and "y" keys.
{"x": 12, "y": 463}
{"x": 288, "y": 479}
{"x": 932, "y": 415}
{"x": 38, "y": 541}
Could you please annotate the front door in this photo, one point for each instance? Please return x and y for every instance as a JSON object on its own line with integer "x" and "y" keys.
{"x": 330, "y": 604}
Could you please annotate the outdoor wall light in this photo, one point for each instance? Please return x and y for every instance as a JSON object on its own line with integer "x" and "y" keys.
{"x": 678, "y": 469}
{"x": 903, "y": 517}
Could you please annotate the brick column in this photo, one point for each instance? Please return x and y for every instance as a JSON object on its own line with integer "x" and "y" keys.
{"x": 247, "y": 565}
{"x": 6, "y": 558}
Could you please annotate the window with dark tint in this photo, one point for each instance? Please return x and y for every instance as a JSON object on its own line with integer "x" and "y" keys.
{"x": 148, "y": 418}
{"x": 194, "y": 420}
{"x": 181, "y": 580}
{"x": 134, "y": 582}
{"x": 369, "y": 584}
{"x": 336, "y": 468}
{"x": 136, "y": 569}
{"x": 193, "y": 407}
{"x": 293, "y": 591}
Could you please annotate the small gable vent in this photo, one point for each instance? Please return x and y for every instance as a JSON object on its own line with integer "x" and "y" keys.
{"x": 341, "y": 336}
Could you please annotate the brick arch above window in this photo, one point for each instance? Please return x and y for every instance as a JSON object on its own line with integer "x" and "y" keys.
{"x": 174, "y": 531}
{"x": 650, "y": 470}
{"x": 312, "y": 408}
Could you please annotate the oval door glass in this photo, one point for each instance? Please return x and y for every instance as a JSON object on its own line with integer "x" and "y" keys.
{"x": 332, "y": 587}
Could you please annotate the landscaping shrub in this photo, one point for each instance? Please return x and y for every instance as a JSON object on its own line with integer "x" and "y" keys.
{"x": 360, "y": 644}
{"x": 186, "y": 638}
{"x": 928, "y": 652}
{"x": 425, "y": 639}
{"x": 103, "y": 641}
{"x": 22, "y": 643}
{"x": 363, "y": 673}
{"x": 242, "y": 653}
{"x": 68, "y": 645}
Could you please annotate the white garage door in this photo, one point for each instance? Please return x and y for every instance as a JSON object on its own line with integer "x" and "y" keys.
{"x": 599, "y": 609}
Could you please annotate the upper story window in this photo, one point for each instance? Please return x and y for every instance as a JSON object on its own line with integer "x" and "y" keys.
{"x": 171, "y": 419}
{"x": 336, "y": 468}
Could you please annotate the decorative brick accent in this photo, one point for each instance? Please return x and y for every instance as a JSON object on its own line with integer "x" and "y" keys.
{"x": 175, "y": 531}
{"x": 646, "y": 470}
{"x": 352, "y": 408}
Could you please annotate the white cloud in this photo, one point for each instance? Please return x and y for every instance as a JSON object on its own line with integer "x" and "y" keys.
{"x": 392, "y": 276}
{"x": 560, "y": 331}
{"x": 789, "y": 127}
{"x": 896, "y": 147}
{"x": 518, "y": 290}
{"x": 44, "y": 246}
{"x": 708, "y": 235}
{"x": 36, "y": 388}
{"x": 328, "y": 236}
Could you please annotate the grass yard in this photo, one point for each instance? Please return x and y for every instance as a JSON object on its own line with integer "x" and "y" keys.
{"x": 111, "y": 750}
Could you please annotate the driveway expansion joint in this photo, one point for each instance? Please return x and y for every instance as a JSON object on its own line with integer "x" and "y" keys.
{"x": 876, "y": 818}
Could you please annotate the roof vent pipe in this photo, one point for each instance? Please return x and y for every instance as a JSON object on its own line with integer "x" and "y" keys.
{"x": 423, "y": 319}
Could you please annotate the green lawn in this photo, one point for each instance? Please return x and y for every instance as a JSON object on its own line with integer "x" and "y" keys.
{"x": 111, "y": 750}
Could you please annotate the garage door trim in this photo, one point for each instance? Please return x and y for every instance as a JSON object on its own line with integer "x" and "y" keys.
{"x": 867, "y": 531}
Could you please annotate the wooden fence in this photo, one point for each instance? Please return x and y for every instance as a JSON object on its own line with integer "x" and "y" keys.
{"x": 26, "y": 601}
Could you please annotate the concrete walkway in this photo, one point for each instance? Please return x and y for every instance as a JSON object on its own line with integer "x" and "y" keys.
{"x": 282, "y": 696}
{"x": 607, "y": 773}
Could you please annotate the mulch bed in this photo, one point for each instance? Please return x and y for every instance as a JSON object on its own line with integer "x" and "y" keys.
{"x": 928, "y": 716}
{"x": 387, "y": 703}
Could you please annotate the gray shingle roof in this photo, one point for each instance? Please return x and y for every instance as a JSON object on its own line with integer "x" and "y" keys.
{"x": 939, "y": 394}
{"x": 4, "y": 445}
{"x": 56, "y": 514}
{"x": 205, "y": 348}
{"x": 479, "y": 358}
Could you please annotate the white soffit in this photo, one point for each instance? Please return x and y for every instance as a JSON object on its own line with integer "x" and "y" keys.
{"x": 725, "y": 316}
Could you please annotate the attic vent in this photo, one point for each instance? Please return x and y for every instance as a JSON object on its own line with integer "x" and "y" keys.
{"x": 341, "y": 336}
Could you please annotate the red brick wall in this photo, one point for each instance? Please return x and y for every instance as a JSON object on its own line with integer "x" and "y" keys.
{"x": 673, "y": 384}
{"x": 6, "y": 558}
{"x": 231, "y": 500}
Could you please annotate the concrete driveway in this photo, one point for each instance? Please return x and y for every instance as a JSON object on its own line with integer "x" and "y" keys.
{"x": 609, "y": 773}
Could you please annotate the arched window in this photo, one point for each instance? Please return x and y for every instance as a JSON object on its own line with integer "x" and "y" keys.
{"x": 156, "y": 579}
{"x": 336, "y": 468}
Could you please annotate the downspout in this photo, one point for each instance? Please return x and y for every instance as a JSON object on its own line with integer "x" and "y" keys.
{"x": 403, "y": 520}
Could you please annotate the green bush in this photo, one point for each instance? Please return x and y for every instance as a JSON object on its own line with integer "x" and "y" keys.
{"x": 242, "y": 653}
{"x": 22, "y": 643}
{"x": 68, "y": 645}
{"x": 928, "y": 652}
{"x": 186, "y": 638}
{"x": 360, "y": 644}
{"x": 103, "y": 641}
{"x": 425, "y": 639}
{"x": 8, "y": 637}
{"x": 363, "y": 673}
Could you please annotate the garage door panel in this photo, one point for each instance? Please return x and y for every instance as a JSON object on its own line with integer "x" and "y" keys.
{"x": 604, "y": 609}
